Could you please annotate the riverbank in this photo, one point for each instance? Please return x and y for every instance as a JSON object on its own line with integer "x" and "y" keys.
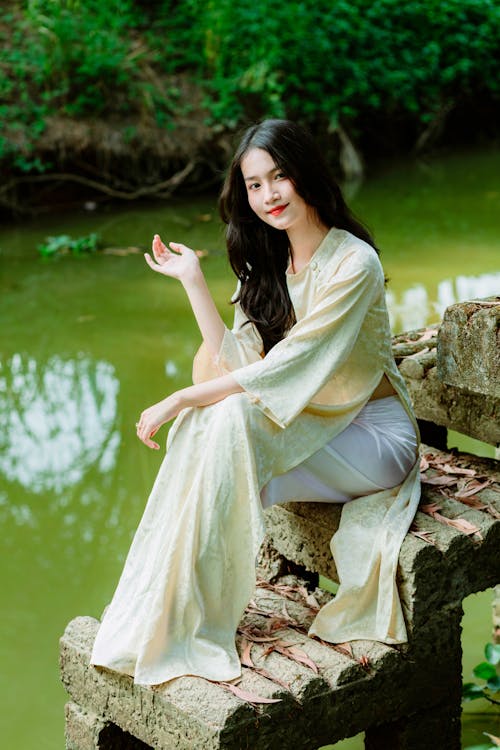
{"x": 125, "y": 100}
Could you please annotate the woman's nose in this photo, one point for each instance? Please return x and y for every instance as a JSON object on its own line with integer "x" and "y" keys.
{"x": 272, "y": 194}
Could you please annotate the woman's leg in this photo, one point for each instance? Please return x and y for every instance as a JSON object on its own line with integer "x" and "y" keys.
{"x": 375, "y": 452}
{"x": 190, "y": 571}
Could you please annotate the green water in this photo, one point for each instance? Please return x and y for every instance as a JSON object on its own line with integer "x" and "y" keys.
{"x": 87, "y": 343}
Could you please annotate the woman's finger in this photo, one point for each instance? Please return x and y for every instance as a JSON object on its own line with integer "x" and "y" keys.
{"x": 152, "y": 264}
{"x": 160, "y": 250}
{"x": 179, "y": 247}
{"x": 145, "y": 433}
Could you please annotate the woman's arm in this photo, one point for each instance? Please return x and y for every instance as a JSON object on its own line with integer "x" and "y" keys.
{"x": 201, "y": 394}
{"x": 183, "y": 264}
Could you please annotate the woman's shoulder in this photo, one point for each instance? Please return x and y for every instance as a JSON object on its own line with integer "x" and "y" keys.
{"x": 344, "y": 248}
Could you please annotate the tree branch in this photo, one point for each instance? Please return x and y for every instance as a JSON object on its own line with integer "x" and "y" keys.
{"x": 164, "y": 188}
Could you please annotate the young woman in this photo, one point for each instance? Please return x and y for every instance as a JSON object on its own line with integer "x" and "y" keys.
{"x": 301, "y": 400}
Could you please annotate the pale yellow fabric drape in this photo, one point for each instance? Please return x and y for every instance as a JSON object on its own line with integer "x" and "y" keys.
{"x": 191, "y": 568}
{"x": 329, "y": 365}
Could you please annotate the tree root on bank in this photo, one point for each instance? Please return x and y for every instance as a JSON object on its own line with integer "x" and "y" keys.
{"x": 163, "y": 189}
{"x": 434, "y": 129}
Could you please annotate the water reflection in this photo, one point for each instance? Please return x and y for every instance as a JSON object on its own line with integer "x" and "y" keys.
{"x": 59, "y": 420}
{"x": 415, "y": 309}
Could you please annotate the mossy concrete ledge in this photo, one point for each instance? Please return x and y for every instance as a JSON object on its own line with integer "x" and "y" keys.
{"x": 453, "y": 377}
{"x": 468, "y": 348}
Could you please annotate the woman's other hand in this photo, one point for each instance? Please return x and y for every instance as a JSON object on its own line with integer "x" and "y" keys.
{"x": 155, "y": 416}
{"x": 201, "y": 394}
{"x": 182, "y": 264}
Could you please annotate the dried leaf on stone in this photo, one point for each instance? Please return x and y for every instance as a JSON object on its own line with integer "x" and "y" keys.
{"x": 296, "y": 654}
{"x": 245, "y": 695}
{"x": 493, "y": 511}
{"x": 255, "y": 635}
{"x": 424, "y": 463}
{"x": 438, "y": 479}
{"x": 448, "y": 469}
{"x": 344, "y": 648}
{"x": 460, "y": 524}
{"x": 430, "y": 509}
{"x": 465, "y": 527}
{"x": 264, "y": 673}
{"x": 472, "y": 488}
{"x": 312, "y": 602}
{"x": 276, "y": 623}
{"x": 253, "y": 609}
{"x": 245, "y": 656}
{"x": 263, "y": 584}
{"x": 364, "y": 661}
{"x": 246, "y": 660}
{"x": 424, "y": 535}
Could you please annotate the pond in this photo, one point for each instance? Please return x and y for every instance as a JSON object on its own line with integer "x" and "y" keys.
{"x": 87, "y": 343}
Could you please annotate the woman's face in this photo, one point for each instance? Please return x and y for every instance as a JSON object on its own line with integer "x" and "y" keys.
{"x": 271, "y": 194}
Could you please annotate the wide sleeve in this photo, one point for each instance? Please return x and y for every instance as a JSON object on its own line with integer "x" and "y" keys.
{"x": 241, "y": 346}
{"x": 289, "y": 376}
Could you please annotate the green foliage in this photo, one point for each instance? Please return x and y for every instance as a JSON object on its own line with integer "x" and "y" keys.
{"x": 345, "y": 59}
{"x": 63, "y": 244}
{"x": 84, "y": 50}
{"x": 81, "y": 58}
{"x": 489, "y": 671}
{"x": 319, "y": 61}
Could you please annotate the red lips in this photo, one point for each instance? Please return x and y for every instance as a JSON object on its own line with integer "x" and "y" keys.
{"x": 277, "y": 210}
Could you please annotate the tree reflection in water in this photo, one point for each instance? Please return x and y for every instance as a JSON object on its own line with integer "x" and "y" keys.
{"x": 58, "y": 449}
{"x": 59, "y": 419}
{"x": 416, "y": 309}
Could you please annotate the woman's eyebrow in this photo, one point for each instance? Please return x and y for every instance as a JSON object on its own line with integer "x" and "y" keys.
{"x": 254, "y": 177}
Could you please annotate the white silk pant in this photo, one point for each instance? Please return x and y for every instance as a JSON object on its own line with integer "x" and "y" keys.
{"x": 375, "y": 452}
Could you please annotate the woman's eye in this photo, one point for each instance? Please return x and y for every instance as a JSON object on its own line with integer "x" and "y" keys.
{"x": 280, "y": 175}
{"x": 253, "y": 186}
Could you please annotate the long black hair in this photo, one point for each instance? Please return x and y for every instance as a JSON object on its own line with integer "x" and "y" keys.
{"x": 259, "y": 253}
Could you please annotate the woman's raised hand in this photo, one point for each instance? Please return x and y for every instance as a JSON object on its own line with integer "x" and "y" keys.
{"x": 182, "y": 264}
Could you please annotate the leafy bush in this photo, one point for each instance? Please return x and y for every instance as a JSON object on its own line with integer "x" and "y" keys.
{"x": 342, "y": 59}
{"x": 489, "y": 671}
{"x": 84, "y": 51}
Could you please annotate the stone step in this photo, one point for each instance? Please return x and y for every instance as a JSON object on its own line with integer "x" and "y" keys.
{"x": 316, "y": 706}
